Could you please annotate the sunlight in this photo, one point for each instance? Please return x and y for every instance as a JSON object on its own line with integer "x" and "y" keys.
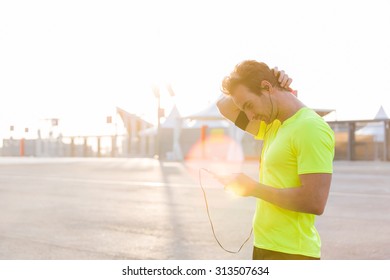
{"x": 216, "y": 147}
{"x": 76, "y": 62}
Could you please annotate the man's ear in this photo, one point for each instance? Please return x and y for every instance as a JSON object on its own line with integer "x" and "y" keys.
{"x": 267, "y": 86}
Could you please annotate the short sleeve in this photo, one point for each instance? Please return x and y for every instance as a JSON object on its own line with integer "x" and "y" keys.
{"x": 314, "y": 144}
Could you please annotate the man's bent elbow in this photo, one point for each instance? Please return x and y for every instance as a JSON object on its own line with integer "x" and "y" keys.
{"x": 318, "y": 209}
{"x": 319, "y": 212}
{"x": 225, "y": 110}
{"x": 220, "y": 107}
{"x": 219, "y": 104}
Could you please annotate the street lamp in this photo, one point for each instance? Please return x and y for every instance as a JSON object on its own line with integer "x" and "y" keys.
{"x": 160, "y": 114}
{"x": 156, "y": 92}
{"x": 114, "y": 135}
{"x": 11, "y": 129}
{"x": 170, "y": 90}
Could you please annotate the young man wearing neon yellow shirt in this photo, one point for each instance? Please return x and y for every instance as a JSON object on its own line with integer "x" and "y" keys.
{"x": 296, "y": 162}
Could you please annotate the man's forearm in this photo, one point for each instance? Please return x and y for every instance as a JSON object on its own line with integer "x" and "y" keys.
{"x": 228, "y": 109}
{"x": 294, "y": 199}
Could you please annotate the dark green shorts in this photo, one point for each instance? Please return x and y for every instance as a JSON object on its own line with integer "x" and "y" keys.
{"x": 262, "y": 254}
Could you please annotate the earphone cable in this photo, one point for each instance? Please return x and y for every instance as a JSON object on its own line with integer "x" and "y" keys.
{"x": 209, "y": 216}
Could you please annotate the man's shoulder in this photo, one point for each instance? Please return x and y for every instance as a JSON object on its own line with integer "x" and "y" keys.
{"x": 309, "y": 119}
{"x": 311, "y": 126}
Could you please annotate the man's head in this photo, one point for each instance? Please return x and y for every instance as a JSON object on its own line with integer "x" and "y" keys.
{"x": 251, "y": 86}
{"x": 249, "y": 73}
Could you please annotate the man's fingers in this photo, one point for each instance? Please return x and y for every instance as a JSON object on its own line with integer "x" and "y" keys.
{"x": 286, "y": 82}
{"x": 289, "y": 81}
{"x": 276, "y": 71}
{"x": 224, "y": 181}
{"x": 283, "y": 81}
{"x": 282, "y": 77}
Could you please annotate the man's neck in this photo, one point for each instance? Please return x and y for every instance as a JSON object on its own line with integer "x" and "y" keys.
{"x": 288, "y": 105}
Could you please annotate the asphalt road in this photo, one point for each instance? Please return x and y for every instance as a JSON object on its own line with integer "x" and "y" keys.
{"x": 87, "y": 208}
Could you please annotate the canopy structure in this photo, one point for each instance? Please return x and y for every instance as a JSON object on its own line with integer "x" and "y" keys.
{"x": 376, "y": 129}
{"x": 171, "y": 121}
{"x": 132, "y": 122}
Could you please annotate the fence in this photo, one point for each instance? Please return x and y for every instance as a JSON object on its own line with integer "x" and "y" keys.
{"x": 75, "y": 146}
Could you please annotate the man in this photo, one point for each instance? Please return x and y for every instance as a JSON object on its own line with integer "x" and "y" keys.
{"x": 296, "y": 162}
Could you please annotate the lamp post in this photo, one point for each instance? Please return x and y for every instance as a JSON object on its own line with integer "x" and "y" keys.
{"x": 160, "y": 114}
{"x": 114, "y": 135}
{"x": 177, "y": 154}
{"x": 22, "y": 147}
{"x": 11, "y": 139}
{"x": 156, "y": 92}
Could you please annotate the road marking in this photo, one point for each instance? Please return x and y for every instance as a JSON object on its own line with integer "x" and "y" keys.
{"x": 162, "y": 184}
{"x": 365, "y": 195}
{"x": 105, "y": 182}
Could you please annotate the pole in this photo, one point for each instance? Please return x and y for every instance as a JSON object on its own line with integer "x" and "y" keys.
{"x": 351, "y": 140}
{"x": 386, "y": 141}
{"x": 158, "y": 128}
{"x": 156, "y": 92}
{"x": 21, "y": 147}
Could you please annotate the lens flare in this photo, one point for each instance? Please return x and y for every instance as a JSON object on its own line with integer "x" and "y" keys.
{"x": 216, "y": 147}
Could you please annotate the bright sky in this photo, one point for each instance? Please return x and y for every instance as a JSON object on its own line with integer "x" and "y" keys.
{"x": 77, "y": 60}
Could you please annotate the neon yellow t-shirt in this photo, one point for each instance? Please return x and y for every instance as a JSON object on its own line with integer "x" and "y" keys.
{"x": 303, "y": 144}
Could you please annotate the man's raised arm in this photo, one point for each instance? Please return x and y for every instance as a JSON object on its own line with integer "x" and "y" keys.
{"x": 230, "y": 111}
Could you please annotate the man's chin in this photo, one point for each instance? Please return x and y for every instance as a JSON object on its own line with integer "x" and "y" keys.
{"x": 265, "y": 120}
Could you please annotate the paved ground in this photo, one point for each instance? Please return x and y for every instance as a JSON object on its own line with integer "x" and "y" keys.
{"x": 146, "y": 209}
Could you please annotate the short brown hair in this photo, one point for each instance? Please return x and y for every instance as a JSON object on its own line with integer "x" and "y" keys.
{"x": 249, "y": 73}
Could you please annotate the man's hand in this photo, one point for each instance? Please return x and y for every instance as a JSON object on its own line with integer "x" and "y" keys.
{"x": 284, "y": 80}
{"x": 239, "y": 183}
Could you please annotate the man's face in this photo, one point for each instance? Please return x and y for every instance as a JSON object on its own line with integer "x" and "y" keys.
{"x": 256, "y": 107}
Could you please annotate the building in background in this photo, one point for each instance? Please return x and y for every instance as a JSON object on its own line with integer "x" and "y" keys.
{"x": 363, "y": 139}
